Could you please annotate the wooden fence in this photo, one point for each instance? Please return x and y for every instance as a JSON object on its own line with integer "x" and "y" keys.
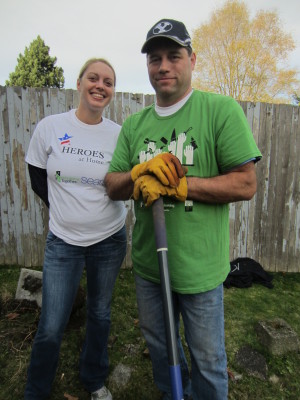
{"x": 267, "y": 228}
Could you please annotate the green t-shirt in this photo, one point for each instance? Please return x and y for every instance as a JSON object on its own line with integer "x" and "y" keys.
{"x": 210, "y": 135}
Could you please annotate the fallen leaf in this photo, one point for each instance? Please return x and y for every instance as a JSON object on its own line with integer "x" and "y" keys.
{"x": 230, "y": 374}
{"x": 146, "y": 353}
{"x": 69, "y": 397}
{"x": 12, "y": 315}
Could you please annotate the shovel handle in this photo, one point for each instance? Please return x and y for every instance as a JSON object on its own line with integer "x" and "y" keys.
{"x": 171, "y": 338}
{"x": 159, "y": 225}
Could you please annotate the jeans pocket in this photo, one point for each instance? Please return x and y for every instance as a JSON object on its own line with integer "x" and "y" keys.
{"x": 51, "y": 239}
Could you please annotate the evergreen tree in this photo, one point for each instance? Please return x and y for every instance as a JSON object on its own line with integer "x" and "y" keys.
{"x": 36, "y": 68}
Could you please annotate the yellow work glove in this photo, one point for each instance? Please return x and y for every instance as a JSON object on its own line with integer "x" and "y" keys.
{"x": 151, "y": 189}
{"x": 165, "y": 166}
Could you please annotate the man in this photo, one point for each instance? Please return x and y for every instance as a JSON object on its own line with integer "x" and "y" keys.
{"x": 209, "y": 134}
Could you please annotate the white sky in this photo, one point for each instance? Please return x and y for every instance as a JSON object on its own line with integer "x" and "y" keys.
{"x": 114, "y": 29}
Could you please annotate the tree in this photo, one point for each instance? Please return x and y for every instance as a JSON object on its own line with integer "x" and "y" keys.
{"x": 244, "y": 58}
{"x": 36, "y": 68}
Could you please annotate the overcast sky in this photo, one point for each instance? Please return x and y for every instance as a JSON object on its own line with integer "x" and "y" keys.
{"x": 114, "y": 29}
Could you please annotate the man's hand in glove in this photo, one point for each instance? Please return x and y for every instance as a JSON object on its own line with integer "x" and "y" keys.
{"x": 151, "y": 189}
{"x": 165, "y": 166}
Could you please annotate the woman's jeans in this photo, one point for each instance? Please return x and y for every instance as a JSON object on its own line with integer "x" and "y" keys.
{"x": 203, "y": 319}
{"x": 63, "y": 267}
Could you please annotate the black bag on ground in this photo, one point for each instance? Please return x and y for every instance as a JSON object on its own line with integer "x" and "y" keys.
{"x": 245, "y": 271}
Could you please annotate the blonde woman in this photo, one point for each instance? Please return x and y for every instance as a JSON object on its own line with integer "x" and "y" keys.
{"x": 68, "y": 158}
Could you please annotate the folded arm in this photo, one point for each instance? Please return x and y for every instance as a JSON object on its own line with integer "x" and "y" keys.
{"x": 119, "y": 185}
{"x": 165, "y": 166}
{"x": 237, "y": 185}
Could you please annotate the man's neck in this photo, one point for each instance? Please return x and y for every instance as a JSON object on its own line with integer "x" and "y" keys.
{"x": 167, "y": 101}
{"x": 166, "y": 111}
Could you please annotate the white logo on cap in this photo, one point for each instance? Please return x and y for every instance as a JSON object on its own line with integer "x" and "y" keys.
{"x": 162, "y": 27}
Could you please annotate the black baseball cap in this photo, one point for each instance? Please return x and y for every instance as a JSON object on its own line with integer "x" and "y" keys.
{"x": 170, "y": 29}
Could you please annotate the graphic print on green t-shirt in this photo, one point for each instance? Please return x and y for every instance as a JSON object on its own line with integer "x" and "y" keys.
{"x": 175, "y": 144}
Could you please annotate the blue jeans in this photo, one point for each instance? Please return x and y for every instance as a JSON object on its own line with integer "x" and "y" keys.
{"x": 63, "y": 267}
{"x": 203, "y": 319}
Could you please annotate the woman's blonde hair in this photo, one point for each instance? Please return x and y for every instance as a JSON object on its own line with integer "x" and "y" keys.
{"x": 94, "y": 60}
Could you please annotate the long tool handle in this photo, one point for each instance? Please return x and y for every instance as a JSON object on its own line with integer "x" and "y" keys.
{"x": 162, "y": 251}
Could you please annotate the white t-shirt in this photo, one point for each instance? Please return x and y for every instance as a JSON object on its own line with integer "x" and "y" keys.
{"x": 76, "y": 157}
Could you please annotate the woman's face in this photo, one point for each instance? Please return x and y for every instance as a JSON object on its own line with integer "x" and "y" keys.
{"x": 96, "y": 86}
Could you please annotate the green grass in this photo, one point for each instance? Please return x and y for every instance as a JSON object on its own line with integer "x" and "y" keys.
{"x": 243, "y": 309}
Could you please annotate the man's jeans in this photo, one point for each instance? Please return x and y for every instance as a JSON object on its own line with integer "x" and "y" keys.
{"x": 63, "y": 267}
{"x": 203, "y": 319}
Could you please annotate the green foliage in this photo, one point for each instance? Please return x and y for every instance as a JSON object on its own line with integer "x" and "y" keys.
{"x": 36, "y": 68}
{"x": 243, "y": 309}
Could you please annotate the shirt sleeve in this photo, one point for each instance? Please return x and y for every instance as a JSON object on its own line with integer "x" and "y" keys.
{"x": 37, "y": 153}
{"x": 121, "y": 160}
{"x": 235, "y": 142}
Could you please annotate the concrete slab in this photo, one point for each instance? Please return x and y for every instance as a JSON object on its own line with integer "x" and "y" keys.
{"x": 252, "y": 362}
{"x": 277, "y": 336}
{"x": 30, "y": 286}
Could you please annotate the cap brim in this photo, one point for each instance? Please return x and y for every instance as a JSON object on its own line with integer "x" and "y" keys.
{"x": 146, "y": 44}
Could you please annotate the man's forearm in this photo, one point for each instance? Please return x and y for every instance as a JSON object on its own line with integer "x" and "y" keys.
{"x": 237, "y": 185}
{"x": 119, "y": 185}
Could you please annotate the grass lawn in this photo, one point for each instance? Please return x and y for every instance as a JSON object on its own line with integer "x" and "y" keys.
{"x": 243, "y": 309}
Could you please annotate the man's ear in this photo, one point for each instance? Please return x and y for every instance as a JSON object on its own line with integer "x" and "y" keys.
{"x": 193, "y": 60}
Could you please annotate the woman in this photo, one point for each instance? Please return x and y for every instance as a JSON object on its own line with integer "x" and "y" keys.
{"x": 68, "y": 157}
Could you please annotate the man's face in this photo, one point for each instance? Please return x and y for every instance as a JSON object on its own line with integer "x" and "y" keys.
{"x": 170, "y": 72}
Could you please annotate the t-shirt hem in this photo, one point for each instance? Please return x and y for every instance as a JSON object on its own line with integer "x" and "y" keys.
{"x": 90, "y": 242}
{"x": 199, "y": 289}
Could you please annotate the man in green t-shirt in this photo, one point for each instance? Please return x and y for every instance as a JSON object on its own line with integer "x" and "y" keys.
{"x": 197, "y": 151}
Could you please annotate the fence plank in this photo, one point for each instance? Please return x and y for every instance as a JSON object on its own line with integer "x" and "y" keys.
{"x": 6, "y": 247}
